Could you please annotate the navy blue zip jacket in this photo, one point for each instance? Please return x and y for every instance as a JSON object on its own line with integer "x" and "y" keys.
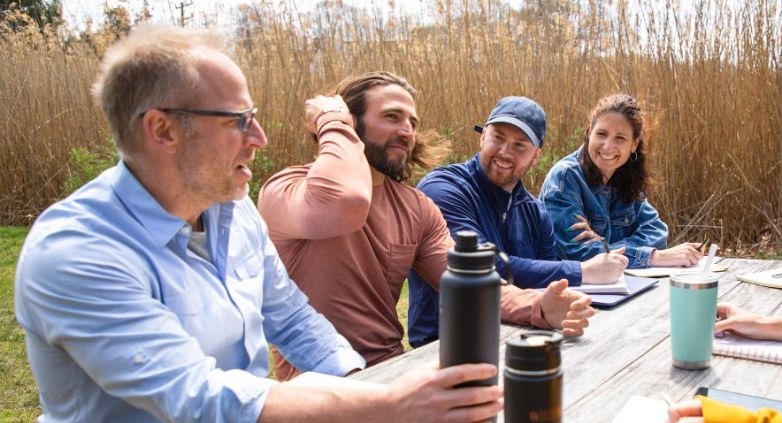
{"x": 515, "y": 222}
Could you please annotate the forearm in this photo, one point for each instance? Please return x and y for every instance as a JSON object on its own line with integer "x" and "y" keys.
{"x": 522, "y": 306}
{"x": 528, "y": 273}
{"x": 292, "y": 404}
{"x": 770, "y": 328}
{"x": 328, "y": 198}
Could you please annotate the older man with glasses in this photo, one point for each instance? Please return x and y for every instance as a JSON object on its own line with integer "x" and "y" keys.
{"x": 151, "y": 294}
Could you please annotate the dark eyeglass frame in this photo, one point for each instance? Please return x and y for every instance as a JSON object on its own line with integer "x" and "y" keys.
{"x": 244, "y": 117}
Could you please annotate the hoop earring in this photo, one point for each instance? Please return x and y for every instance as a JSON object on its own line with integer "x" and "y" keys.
{"x": 633, "y": 156}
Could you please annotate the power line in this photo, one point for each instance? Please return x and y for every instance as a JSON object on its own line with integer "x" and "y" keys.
{"x": 181, "y": 6}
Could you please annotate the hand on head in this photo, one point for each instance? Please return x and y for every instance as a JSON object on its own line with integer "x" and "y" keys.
{"x": 427, "y": 395}
{"x": 685, "y": 255}
{"x": 566, "y": 309}
{"x": 314, "y": 108}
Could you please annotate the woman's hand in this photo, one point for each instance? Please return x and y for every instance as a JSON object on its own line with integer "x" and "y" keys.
{"x": 683, "y": 255}
{"x": 750, "y": 325}
{"x": 587, "y": 235}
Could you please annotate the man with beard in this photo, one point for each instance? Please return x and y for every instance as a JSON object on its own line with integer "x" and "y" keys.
{"x": 348, "y": 229}
{"x": 486, "y": 195}
{"x": 151, "y": 294}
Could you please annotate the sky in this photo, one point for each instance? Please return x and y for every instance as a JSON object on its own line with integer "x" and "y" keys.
{"x": 76, "y": 12}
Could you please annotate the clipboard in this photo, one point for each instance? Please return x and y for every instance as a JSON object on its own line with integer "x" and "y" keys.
{"x": 635, "y": 284}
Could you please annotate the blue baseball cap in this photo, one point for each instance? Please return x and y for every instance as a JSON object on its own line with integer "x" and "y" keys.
{"x": 522, "y": 113}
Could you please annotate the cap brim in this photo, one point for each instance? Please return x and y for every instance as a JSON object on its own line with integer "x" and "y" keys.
{"x": 519, "y": 124}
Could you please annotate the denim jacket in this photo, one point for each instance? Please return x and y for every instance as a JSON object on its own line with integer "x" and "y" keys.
{"x": 636, "y": 226}
{"x": 515, "y": 222}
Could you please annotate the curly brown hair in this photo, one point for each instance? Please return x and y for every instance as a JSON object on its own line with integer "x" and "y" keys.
{"x": 431, "y": 148}
{"x": 633, "y": 180}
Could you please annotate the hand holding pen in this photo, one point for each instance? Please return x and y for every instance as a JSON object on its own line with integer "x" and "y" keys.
{"x": 604, "y": 268}
{"x": 702, "y": 245}
{"x": 605, "y": 245}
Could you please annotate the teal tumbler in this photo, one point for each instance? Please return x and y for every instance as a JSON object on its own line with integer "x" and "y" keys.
{"x": 693, "y": 313}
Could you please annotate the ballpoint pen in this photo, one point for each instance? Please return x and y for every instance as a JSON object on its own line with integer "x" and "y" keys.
{"x": 703, "y": 244}
{"x": 605, "y": 245}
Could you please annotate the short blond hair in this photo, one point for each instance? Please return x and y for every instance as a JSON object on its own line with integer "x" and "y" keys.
{"x": 154, "y": 66}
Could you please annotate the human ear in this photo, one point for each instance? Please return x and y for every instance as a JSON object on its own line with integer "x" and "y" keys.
{"x": 536, "y": 157}
{"x": 159, "y": 131}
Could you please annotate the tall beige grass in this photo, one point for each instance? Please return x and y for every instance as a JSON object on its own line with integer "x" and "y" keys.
{"x": 710, "y": 73}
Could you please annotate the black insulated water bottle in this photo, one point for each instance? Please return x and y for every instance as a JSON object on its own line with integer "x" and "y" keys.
{"x": 470, "y": 306}
{"x": 533, "y": 378}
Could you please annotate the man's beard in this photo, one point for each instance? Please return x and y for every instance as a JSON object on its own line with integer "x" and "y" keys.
{"x": 377, "y": 157}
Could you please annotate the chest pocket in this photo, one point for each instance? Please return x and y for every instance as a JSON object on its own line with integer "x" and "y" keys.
{"x": 622, "y": 222}
{"x": 247, "y": 280}
{"x": 623, "y": 219}
{"x": 400, "y": 260}
{"x": 184, "y": 304}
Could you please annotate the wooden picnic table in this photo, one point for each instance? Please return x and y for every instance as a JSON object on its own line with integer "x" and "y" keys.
{"x": 626, "y": 351}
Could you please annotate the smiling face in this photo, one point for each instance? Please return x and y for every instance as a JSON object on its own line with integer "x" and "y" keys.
{"x": 610, "y": 143}
{"x": 387, "y": 129}
{"x": 506, "y": 154}
{"x": 215, "y": 154}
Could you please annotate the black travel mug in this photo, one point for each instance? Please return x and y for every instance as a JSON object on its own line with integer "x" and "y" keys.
{"x": 533, "y": 378}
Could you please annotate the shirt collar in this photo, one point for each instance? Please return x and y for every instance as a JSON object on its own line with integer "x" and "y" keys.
{"x": 161, "y": 224}
{"x": 487, "y": 186}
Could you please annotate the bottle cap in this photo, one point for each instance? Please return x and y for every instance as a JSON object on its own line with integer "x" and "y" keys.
{"x": 533, "y": 351}
{"x": 467, "y": 255}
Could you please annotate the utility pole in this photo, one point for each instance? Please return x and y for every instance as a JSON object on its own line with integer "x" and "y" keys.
{"x": 181, "y": 6}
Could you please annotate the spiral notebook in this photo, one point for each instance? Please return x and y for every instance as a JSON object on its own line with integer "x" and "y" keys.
{"x": 635, "y": 286}
{"x": 731, "y": 345}
{"x": 771, "y": 278}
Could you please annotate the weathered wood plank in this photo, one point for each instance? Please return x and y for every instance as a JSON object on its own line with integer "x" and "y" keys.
{"x": 626, "y": 351}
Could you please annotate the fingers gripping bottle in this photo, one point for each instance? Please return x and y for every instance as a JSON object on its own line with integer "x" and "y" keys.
{"x": 470, "y": 305}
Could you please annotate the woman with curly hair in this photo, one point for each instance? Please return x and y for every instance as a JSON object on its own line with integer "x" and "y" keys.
{"x": 599, "y": 192}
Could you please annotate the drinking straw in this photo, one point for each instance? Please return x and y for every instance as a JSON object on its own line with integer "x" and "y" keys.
{"x": 710, "y": 259}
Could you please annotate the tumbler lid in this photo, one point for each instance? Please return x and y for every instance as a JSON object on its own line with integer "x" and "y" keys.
{"x": 534, "y": 350}
{"x": 694, "y": 280}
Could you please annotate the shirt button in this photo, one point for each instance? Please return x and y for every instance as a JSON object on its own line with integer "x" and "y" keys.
{"x": 138, "y": 359}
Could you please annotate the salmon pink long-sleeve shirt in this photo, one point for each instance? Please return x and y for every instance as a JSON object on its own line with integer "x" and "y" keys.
{"x": 349, "y": 245}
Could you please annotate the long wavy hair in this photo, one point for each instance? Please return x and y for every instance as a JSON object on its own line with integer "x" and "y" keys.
{"x": 633, "y": 180}
{"x": 430, "y": 149}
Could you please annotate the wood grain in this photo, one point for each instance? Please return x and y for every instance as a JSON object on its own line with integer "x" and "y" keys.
{"x": 626, "y": 351}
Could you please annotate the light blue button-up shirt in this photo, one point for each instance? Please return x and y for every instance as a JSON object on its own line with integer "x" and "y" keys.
{"x": 124, "y": 324}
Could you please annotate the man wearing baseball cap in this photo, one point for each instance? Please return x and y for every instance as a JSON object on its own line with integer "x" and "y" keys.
{"x": 486, "y": 195}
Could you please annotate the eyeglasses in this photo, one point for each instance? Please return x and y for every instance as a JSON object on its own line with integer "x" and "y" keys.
{"x": 244, "y": 117}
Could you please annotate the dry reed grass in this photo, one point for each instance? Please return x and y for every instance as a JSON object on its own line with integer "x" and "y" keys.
{"x": 711, "y": 74}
